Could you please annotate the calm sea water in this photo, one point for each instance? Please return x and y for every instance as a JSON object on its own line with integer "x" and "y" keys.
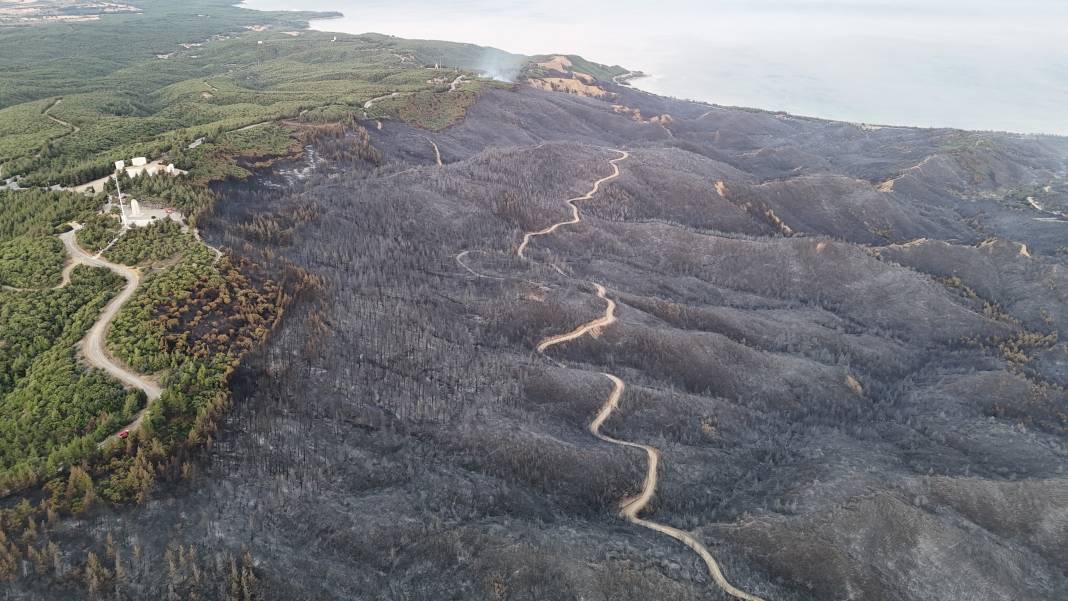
{"x": 978, "y": 64}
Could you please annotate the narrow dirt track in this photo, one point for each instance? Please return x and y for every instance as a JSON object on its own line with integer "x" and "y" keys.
{"x": 218, "y": 253}
{"x": 48, "y": 114}
{"x": 371, "y": 103}
{"x": 253, "y": 126}
{"x": 73, "y": 128}
{"x": 460, "y": 260}
{"x": 631, "y": 508}
{"x": 601, "y": 322}
{"x": 437, "y": 153}
{"x": 93, "y": 343}
{"x": 1054, "y": 215}
{"x": 624, "y": 155}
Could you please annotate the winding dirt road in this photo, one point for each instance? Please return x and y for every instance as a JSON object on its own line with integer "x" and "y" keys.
{"x": 575, "y": 218}
{"x": 371, "y": 103}
{"x": 92, "y": 346}
{"x": 601, "y": 322}
{"x": 630, "y": 508}
{"x": 48, "y": 113}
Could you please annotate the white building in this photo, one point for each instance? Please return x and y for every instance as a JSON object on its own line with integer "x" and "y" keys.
{"x": 137, "y": 216}
{"x": 140, "y": 166}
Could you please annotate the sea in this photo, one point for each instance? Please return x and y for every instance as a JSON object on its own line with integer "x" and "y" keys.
{"x": 972, "y": 64}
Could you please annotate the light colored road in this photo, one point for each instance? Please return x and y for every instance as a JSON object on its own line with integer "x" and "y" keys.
{"x": 456, "y": 83}
{"x": 74, "y": 128}
{"x": 218, "y": 253}
{"x": 437, "y": 153}
{"x": 624, "y": 155}
{"x": 92, "y": 345}
{"x": 253, "y": 126}
{"x": 1056, "y": 215}
{"x": 888, "y": 185}
{"x": 371, "y": 103}
{"x": 460, "y": 260}
{"x": 601, "y": 322}
{"x": 631, "y": 508}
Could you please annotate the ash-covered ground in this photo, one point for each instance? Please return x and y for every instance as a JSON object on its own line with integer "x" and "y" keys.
{"x": 847, "y": 343}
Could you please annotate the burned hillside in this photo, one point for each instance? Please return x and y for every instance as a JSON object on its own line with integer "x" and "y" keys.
{"x": 846, "y": 342}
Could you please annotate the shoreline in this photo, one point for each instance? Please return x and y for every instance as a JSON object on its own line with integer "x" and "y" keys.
{"x": 328, "y": 17}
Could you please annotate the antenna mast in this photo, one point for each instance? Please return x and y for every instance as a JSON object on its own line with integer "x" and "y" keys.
{"x": 122, "y": 208}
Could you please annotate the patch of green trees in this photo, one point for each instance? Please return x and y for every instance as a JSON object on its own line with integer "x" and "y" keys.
{"x": 160, "y": 241}
{"x": 52, "y": 410}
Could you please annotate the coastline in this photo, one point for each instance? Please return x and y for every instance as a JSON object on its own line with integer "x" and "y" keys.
{"x": 752, "y": 83}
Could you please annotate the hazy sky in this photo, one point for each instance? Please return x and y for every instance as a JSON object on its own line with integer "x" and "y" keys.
{"x": 981, "y": 64}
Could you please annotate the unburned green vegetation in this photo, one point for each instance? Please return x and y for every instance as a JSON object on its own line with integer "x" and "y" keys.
{"x": 66, "y": 122}
{"x": 25, "y": 128}
{"x": 30, "y": 262}
{"x": 53, "y": 411}
{"x": 98, "y": 231}
{"x": 232, "y": 154}
{"x": 39, "y": 213}
{"x": 430, "y": 110}
{"x": 30, "y": 256}
{"x": 161, "y": 97}
{"x": 155, "y": 243}
{"x": 183, "y": 194}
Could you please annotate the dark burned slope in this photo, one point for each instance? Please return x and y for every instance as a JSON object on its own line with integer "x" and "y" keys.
{"x": 842, "y": 411}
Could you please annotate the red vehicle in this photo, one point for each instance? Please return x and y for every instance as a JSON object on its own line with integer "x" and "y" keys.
{"x": 124, "y": 434}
